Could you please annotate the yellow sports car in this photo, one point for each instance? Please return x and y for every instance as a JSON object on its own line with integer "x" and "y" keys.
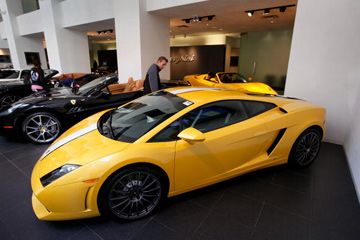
{"x": 233, "y": 81}
{"x": 125, "y": 162}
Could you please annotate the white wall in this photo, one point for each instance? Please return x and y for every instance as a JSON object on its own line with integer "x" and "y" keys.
{"x": 140, "y": 39}
{"x": 79, "y": 12}
{"x": 352, "y": 141}
{"x": 155, "y": 40}
{"x": 324, "y": 68}
{"x": 4, "y": 44}
{"x": 30, "y": 23}
{"x": 2, "y": 31}
{"x": 152, "y": 5}
{"x": 68, "y": 49}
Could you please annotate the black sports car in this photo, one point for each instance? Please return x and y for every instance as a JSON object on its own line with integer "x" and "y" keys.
{"x": 42, "y": 116}
{"x": 11, "y": 91}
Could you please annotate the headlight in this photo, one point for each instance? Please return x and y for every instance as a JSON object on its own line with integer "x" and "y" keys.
{"x": 57, "y": 173}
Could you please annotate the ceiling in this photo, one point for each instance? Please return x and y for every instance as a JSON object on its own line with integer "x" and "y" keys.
{"x": 231, "y": 17}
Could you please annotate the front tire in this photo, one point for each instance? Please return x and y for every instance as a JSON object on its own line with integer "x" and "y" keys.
{"x": 305, "y": 149}
{"x": 41, "y": 127}
{"x": 133, "y": 193}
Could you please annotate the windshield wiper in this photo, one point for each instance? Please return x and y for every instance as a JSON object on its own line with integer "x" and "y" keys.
{"x": 108, "y": 125}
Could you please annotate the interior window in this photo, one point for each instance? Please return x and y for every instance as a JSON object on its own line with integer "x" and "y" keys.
{"x": 254, "y": 108}
{"x": 206, "y": 118}
{"x": 215, "y": 115}
{"x": 169, "y": 133}
{"x": 25, "y": 74}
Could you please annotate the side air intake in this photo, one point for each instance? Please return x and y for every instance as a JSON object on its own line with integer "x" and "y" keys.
{"x": 276, "y": 141}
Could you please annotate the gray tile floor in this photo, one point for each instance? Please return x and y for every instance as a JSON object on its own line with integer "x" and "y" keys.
{"x": 279, "y": 203}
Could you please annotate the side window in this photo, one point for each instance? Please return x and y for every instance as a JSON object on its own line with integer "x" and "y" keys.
{"x": 168, "y": 134}
{"x": 25, "y": 74}
{"x": 215, "y": 115}
{"x": 254, "y": 108}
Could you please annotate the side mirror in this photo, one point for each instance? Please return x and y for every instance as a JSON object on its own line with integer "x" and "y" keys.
{"x": 192, "y": 135}
{"x": 105, "y": 95}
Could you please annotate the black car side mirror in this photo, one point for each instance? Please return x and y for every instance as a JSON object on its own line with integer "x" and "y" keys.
{"x": 105, "y": 95}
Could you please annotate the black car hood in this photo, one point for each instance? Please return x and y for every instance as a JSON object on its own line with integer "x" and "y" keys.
{"x": 53, "y": 94}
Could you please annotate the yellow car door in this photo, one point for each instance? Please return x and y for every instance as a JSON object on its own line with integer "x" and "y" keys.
{"x": 236, "y": 139}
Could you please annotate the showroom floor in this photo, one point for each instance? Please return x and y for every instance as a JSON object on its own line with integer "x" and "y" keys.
{"x": 315, "y": 203}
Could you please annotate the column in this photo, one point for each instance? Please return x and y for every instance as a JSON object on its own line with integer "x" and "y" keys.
{"x": 141, "y": 38}
{"x": 68, "y": 49}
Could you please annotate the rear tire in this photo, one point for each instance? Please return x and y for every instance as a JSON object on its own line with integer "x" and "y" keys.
{"x": 7, "y": 100}
{"x": 41, "y": 127}
{"x": 133, "y": 193}
{"x": 305, "y": 149}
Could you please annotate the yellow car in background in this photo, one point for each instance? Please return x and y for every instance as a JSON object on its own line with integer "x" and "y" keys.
{"x": 233, "y": 81}
{"x": 125, "y": 162}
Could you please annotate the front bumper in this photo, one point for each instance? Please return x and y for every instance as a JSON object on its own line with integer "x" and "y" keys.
{"x": 64, "y": 201}
{"x": 43, "y": 213}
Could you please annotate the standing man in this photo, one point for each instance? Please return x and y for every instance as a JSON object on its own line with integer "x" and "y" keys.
{"x": 152, "y": 80}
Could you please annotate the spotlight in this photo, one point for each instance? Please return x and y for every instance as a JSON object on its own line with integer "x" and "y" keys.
{"x": 196, "y": 19}
{"x": 266, "y": 11}
{"x": 250, "y": 13}
{"x": 282, "y": 9}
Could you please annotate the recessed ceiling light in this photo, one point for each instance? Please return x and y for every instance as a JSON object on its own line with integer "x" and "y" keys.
{"x": 250, "y": 13}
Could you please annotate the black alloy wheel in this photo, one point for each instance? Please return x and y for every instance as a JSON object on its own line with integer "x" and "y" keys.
{"x": 41, "y": 127}
{"x": 7, "y": 100}
{"x": 306, "y": 148}
{"x": 133, "y": 193}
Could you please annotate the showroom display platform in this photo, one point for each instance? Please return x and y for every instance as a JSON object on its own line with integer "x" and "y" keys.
{"x": 278, "y": 203}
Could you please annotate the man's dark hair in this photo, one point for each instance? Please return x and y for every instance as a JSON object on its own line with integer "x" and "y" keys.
{"x": 162, "y": 58}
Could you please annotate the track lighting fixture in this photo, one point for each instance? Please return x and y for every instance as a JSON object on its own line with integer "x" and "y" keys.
{"x": 105, "y": 31}
{"x": 282, "y": 9}
{"x": 197, "y": 19}
{"x": 266, "y": 11}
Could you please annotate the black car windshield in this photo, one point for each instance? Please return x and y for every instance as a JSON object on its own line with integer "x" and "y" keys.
{"x": 9, "y": 74}
{"x": 232, "y": 78}
{"x": 89, "y": 87}
{"x": 131, "y": 121}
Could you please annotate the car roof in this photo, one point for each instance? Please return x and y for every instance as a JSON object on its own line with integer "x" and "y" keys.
{"x": 205, "y": 94}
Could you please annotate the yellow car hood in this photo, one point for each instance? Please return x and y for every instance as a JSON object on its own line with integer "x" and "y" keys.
{"x": 78, "y": 146}
{"x": 254, "y": 87}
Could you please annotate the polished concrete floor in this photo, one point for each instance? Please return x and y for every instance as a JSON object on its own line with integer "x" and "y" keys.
{"x": 279, "y": 203}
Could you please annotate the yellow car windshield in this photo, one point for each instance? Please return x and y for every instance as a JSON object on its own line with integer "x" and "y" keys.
{"x": 131, "y": 121}
{"x": 231, "y": 78}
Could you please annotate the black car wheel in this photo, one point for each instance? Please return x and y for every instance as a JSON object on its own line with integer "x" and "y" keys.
{"x": 133, "y": 193}
{"x": 7, "y": 100}
{"x": 306, "y": 148}
{"x": 41, "y": 127}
